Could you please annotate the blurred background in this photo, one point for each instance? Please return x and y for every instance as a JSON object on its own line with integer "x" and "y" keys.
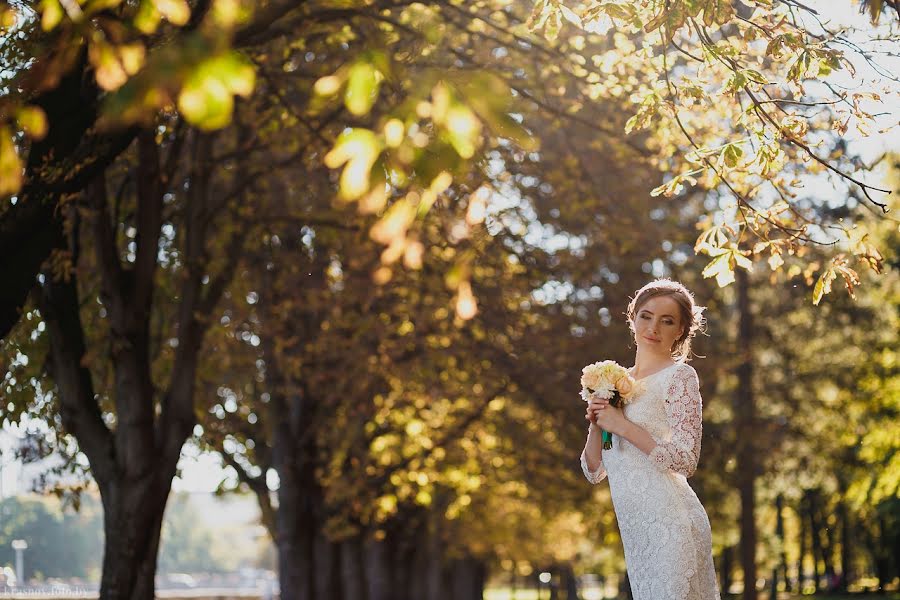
{"x": 297, "y": 298}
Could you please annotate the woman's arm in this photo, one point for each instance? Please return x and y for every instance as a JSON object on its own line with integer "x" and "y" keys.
{"x": 592, "y": 456}
{"x": 684, "y": 411}
{"x": 638, "y": 436}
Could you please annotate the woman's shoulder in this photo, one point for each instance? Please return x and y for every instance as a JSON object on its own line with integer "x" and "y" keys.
{"x": 684, "y": 371}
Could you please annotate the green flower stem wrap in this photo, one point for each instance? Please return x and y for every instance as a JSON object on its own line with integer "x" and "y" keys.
{"x": 606, "y": 436}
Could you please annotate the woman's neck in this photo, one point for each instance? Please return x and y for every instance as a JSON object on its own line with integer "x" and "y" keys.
{"x": 648, "y": 362}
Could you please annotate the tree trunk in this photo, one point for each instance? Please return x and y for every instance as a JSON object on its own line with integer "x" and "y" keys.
{"x": 880, "y": 551}
{"x": 725, "y": 570}
{"x": 327, "y": 562}
{"x": 801, "y": 518}
{"x": 779, "y": 537}
{"x": 132, "y": 524}
{"x": 133, "y": 505}
{"x": 571, "y": 583}
{"x": 352, "y": 572}
{"x": 467, "y": 578}
{"x": 843, "y": 516}
{"x": 378, "y": 570}
{"x": 846, "y": 575}
{"x": 745, "y": 415}
{"x": 811, "y": 506}
{"x": 294, "y": 521}
{"x": 63, "y": 162}
{"x": 827, "y": 548}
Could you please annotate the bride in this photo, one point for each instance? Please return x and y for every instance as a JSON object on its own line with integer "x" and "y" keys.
{"x": 656, "y": 445}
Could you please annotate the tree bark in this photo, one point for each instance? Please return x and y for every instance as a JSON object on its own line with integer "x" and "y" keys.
{"x": 802, "y": 535}
{"x": 352, "y": 571}
{"x": 378, "y": 570}
{"x": 64, "y": 162}
{"x": 846, "y": 533}
{"x": 827, "y": 547}
{"x": 745, "y": 416}
{"x": 133, "y": 506}
{"x": 725, "y": 570}
{"x": 134, "y": 465}
{"x": 779, "y": 536}
{"x": 132, "y": 526}
{"x": 570, "y": 582}
{"x": 811, "y": 508}
{"x": 880, "y": 554}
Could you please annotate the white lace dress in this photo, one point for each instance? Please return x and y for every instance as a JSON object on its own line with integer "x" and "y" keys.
{"x": 664, "y": 529}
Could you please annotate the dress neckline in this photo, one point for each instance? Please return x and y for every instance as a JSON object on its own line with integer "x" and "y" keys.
{"x": 631, "y": 370}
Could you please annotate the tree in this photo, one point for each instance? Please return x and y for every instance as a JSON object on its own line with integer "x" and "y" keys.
{"x": 136, "y": 66}
{"x": 736, "y": 94}
{"x": 391, "y": 95}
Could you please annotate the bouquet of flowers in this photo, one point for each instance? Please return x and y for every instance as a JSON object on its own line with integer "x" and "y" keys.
{"x": 610, "y": 381}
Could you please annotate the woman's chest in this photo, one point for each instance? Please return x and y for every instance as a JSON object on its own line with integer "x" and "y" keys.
{"x": 649, "y": 411}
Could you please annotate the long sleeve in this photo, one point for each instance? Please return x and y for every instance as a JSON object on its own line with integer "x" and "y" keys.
{"x": 684, "y": 411}
{"x": 594, "y": 477}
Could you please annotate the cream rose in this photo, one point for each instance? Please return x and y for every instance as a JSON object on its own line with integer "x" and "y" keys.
{"x": 625, "y": 385}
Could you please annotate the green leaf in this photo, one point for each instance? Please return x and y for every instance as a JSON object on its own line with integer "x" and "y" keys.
{"x": 735, "y": 83}
{"x": 362, "y": 88}
{"x": 206, "y": 99}
{"x": 147, "y": 18}
{"x": 731, "y": 154}
{"x": 235, "y": 71}
{"x": 463, "y": 129}
{"x": 755, "y": 76}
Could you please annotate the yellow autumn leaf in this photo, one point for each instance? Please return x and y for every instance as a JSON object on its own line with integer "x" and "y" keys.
{"x": 176, "y": 12}
{"x": 823, "y": 285}
{"x": 10, "y": 164}
{"x": 51, "y": 14}
{"x": 132, "y": 57}
{"x": 147, "y": 18}
{"x": 33, "y": 120}
{"x": 359, "y": 149}
{"x": 108, "y": 71}
{"x": 393, "y": 132}
{"x": 721, "y": 268}
{"x": 394, "y": 223}
{"x": 8, "y": 18}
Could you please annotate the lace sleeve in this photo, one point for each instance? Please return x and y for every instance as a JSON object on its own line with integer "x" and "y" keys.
{"x": 684, "y": 411}
{"x": 594, "y": 477}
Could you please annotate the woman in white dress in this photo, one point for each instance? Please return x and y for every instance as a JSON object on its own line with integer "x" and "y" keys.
{"x": 656, "y": 446}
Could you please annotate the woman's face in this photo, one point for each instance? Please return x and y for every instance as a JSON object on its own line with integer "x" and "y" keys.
{"x": 657, "y": 325}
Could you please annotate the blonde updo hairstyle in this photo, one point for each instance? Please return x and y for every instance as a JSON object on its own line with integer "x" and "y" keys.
{"x": 692, "y": 318}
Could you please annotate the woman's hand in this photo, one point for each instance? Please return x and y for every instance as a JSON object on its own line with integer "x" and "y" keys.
{"x": 605, "y": 416}
{"x": 594, "y": 406}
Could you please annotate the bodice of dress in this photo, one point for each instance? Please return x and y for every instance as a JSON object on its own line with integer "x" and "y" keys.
{"x": 669, "y": 408}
